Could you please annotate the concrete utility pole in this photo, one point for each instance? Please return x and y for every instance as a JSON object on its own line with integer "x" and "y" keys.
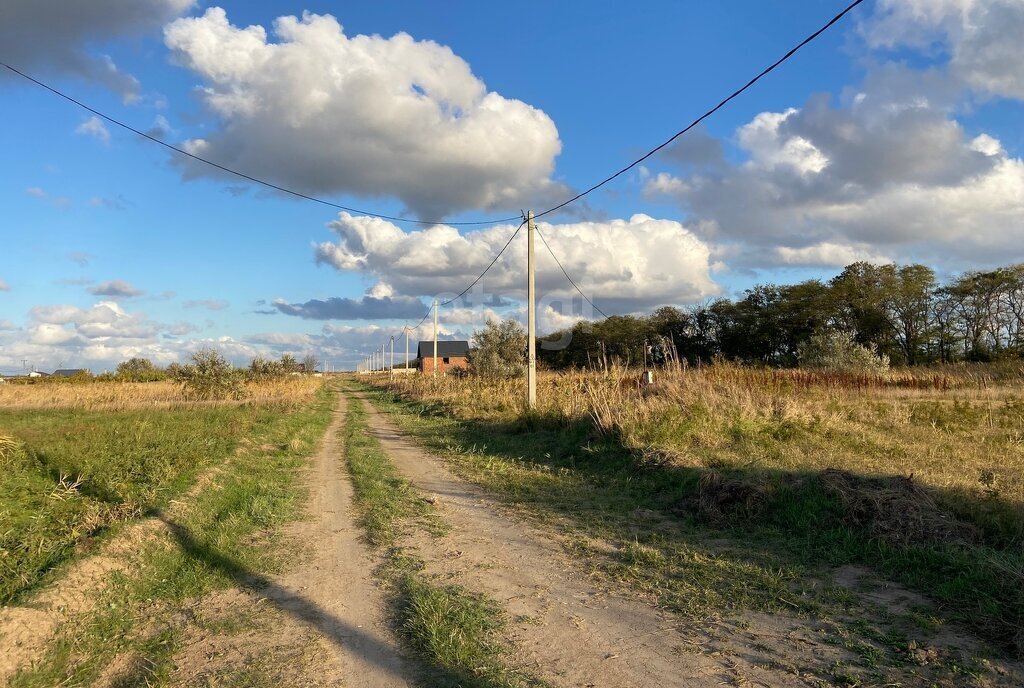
{"x": 531, "y": 316}
{"x": 435, "y": 338}
{"x": 392, "y": 355}
{"x": 406, "y": 328}
{"x": 382, "y": 366}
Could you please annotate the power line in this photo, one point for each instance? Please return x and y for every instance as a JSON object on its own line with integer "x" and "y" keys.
{"x": 559, "y": 263}
{"x": 393, "y": 218}
{"x": 707, "y": 114}
{"x": 243, "y": 175}
{"x": 474, "y": 282}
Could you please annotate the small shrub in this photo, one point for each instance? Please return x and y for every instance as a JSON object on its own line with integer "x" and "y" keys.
{"x": 840, "y": 352}
{"x": 210, "y": 377}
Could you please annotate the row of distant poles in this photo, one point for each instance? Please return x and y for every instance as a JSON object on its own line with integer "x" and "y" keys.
{"x": 376, "y": 360}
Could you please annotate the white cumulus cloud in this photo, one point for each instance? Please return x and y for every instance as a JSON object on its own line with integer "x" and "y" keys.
{"x": 626, "y": 265}
{"x": 326, "y": 112}
{"x": 982, "y": 37}
{"x": 866, "y": 180}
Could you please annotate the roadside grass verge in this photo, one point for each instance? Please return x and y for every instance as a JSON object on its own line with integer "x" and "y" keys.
{"x": 725, "y": 536}
{"x": 226, "y": 535}
{"x": 456, "y": 633}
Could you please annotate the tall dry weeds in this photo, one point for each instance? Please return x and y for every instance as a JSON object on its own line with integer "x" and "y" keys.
{"x": 123, "y": 396}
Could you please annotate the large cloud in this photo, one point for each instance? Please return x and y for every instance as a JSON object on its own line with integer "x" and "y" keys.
{"x": 982, "y": 37}
{"x": 324, "y": 112}
{"x": 56, "y": 35}
{"x": 625, "y": 265}
{"x": 876, "y": 177}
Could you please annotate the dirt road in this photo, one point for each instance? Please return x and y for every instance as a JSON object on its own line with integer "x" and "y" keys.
{"x": 566, "y": 631}
{"x": 328, "y": 614}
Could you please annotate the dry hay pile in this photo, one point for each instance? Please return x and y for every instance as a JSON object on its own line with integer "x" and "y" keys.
{"x": 895, "y": 509}
{"x": 720, "y": 500}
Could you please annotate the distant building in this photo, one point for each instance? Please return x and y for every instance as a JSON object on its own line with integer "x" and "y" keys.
{"x": 450, "y": 354}
{"x": 70, "y": 372}
{"x": 38, "y": 373}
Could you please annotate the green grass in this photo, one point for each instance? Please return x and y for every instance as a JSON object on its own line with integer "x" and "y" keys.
{"x": 385, "y": 499}
{"x": 456, "y": 633}
{"x": 77, "y": 473}
{"x": 226, "y": 536}
{"x": 770, "y": 557}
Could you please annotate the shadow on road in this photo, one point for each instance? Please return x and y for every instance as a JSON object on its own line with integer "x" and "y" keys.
{"x": 342, "y": 634}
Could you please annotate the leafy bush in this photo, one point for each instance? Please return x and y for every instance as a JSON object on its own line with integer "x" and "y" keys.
{"x": 210, "y": 376}
{"x": 139, "y": 370}
{"x": 840, "y": 352}
{"x": 261, "y": 369}
{"x": 499, "y": 350}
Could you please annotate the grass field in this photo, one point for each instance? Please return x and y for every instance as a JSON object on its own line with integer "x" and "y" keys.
{"x": 78, "y": 460}
{"x": 728, "y": 488}
{"x": 225, "y": 534}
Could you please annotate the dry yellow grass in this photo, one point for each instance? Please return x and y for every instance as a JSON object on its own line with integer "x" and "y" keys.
{"x": 122, "y": 396}
{"x": 957, "y": 430}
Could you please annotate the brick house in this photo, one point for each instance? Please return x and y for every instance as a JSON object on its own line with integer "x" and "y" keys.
{"x": 450, "y": 354}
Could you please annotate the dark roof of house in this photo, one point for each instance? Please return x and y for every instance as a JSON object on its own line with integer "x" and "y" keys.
{"x": 69, "y": 372}
{"x": 448, "y": 348}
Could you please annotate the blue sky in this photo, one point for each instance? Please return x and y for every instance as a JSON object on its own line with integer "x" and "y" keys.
{"x": 894, "y": 137}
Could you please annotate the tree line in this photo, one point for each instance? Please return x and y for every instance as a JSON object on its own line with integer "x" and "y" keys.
{"x": 900, "y": 312}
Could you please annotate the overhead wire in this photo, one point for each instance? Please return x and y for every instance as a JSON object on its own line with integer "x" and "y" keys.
{"x": 394, "y": 218}
{"x": 474, "y": 282}
{"x": 849, "y": 8}
{"x": 243, "y": 175}
{"x": 571, "y": 281}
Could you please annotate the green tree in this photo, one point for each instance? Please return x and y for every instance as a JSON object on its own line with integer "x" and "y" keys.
{"x": 263, "y": 369}
{"x": 499, "y": 350}
{"x": 289, "y": 364}
{"x": 135, "y": 365}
